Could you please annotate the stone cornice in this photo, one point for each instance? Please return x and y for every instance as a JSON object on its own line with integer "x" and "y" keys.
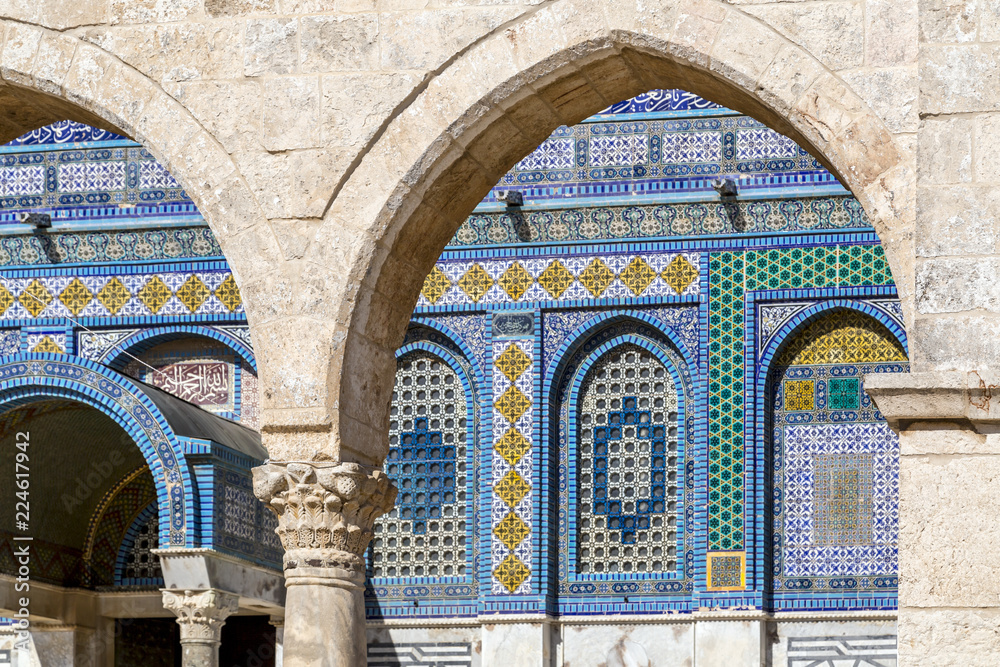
{"x": 903, "y": 398}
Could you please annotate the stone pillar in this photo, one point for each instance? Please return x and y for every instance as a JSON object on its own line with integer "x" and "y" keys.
{"x": 949, "y": 527}
{"x": 325, "y": 516}
{"x": 279, "y": 639}
{"x": 201, "y": 616}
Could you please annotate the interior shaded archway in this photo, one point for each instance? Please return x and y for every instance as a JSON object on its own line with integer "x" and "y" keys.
{"x": 75, "y": 457}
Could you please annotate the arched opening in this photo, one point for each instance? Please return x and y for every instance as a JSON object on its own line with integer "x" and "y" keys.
{"x": 84, "y": 493}
{"x": 666, "y": 235}
{"x": 445, "y": 154}
{"x": 833, "y": 462}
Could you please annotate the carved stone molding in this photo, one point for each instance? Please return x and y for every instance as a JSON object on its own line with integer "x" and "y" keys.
{"x": 325, "y": 512}
{"x": 201, "y": 614}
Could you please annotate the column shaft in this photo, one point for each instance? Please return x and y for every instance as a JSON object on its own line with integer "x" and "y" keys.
{"x": 325, "y": 516}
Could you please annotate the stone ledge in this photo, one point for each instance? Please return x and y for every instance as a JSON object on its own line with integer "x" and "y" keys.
{"x": 904, "y": 398}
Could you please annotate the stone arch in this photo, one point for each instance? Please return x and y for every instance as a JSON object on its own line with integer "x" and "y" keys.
{"x": 28, "y": 377}
{"x": 502, "y": 97}
{"x": 49, "y": 76}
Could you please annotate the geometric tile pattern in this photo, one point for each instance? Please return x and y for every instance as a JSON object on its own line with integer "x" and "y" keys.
{"x": 512, "y": 502}
{"x": 799, "y": 395}
{"x": 574, "y": 277}
{"x": 627, "y": 458}
{"x": 134, "y": 245}
{"x": 841, "y": 486}
{"x": 731, "y": 275}
{"x": 641, "y": 221}
{"x": 125, "y": 295}
{"x": 424, "y": 534}
{"x": 836, "y": 463}
{"x": 119, "y": 173}
{"x": 631, "y": 151}
{"x": 856, "y": 651}
{"x": 725, "y": 402}
{"x": 726, "y": 571}
{"x": 848, "y": 337}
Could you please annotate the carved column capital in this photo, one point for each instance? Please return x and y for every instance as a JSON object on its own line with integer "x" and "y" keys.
{"x": 201, "y": 614}
{"x": 325, "y": 514}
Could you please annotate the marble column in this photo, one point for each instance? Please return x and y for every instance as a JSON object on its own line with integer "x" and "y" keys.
{"x": 325, "y": 516}
{"x": 201, "y": 615}
{"x": 949, "y": 467}
{"x": 279, "y": 639}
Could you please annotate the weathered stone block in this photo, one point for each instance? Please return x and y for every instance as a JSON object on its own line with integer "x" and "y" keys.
{"x": 152, "y": 11}
{"x": 271, "y": 47}
{"x": 948, "y": 637}
{"x": 957, "y": 220}
{"x": 403, "y": 42}
{"x": 954, "y": 342}
{"x": 355, "y": 106}
{"x": 945, "y": 151}
{"x": 957, "y": 284}
{"x": 986, "y": 169}
{"x": 946, "y": 532}
{"x": 226, "y": 108}
{"x": 744, "y": 50}
{"x": 19, "y": 50}
{"x": 891, "y": 33}
{"x": 891, "y": 93}
{"x": 292, "y": 184}
{"x": 949, "y": 22}
{"x": 176, "y": 51}
{"x": 953, "y": 79}
{"x": 339, "y": 43}
{"x": 217, "y": 8}
{"x": 833, "y": 32}
{"x": 291, "y": 117}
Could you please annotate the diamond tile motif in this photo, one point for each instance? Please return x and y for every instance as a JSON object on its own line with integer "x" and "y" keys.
{"x": 229, "y": 294}
{"x": 6, "y": 299}
{"x": 512, "y": 446}
{"x": 556, "y": 279}
{"x": 35, "y": 298}
{"x": 511, "y": 573}
{"x": 637, "y": 276}
{"x": 46, "y": 344}
{"x": 596, "y": 277}
{"x": 513, "y": 362}
{"x": 193, "y": 293}
{"x": 154, "y": 294}
{"x": 515, "y": 281}
{"x": 114, "y": 296}
{"x": 76, "y": 296}
{"x": 512, "y": 488}
{"x": 679, "y": 274}
{"x": 435, "y": 285}
{"x": 512, "y": 404}
{"x": 476, "y": 282}
{"x": 512, "y": 530}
